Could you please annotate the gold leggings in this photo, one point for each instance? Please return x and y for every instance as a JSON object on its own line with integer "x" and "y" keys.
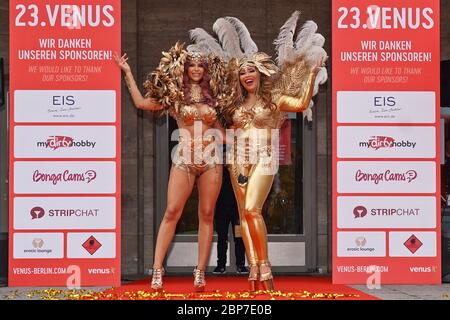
{"x": 250, "y": 198}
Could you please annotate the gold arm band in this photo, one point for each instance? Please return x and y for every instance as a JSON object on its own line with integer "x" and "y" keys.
{"x": 293, "y": 104}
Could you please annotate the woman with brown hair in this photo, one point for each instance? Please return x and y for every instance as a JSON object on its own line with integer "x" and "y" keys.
{"x": 181, "y": 86}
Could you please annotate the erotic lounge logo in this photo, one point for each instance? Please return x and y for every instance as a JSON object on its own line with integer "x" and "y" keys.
{"x": 360, "y": 241}
{"x": 65, "y": 176}
{"x": 386, "y": 176}
{"x": 37, "y": 213}
{"x": 37, "y": 243}
{"x": 378, "y": 142}
{"x": 56, "y": 142}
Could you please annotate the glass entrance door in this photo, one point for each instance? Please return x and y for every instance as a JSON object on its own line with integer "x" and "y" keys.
{"x": 287, "y": 212}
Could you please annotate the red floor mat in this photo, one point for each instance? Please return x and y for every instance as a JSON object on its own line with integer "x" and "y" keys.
{"x": 235, "y": 288}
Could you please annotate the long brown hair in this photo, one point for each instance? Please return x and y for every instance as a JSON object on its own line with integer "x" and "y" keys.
{"x": 204, "y": 84}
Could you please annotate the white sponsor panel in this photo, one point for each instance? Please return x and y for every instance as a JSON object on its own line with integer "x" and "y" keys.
{"x": 412, "y": 244}
{"x": 46, "y": 213}
{"x": 386, "y": 142}
{"x": 386, "y": 107}
{"x": 82, "y": 177}
{"x": 361, "y": 244}
{"x": 91, "y": 245}
{"x": 65, "y": 141}
{"x": 386, "y": 177}
{"x": 386, "y": 212}
{"x": 38, "y": 245}
{"x": 64, "y": 105}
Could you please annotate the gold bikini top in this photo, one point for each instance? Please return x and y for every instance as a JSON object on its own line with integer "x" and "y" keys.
{"x": 188, "y": 114}
{"x": 258, "y": 116}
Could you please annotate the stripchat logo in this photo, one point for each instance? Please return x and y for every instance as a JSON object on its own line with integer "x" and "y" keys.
{"x": 37, "y": 213}
{"x": 359, "y": 212}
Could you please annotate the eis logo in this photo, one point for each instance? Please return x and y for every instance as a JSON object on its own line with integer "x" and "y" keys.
{"x": 56, "y": 142}
{"x": 378, "y": 142}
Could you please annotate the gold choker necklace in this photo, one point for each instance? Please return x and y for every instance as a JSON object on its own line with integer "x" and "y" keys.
{"x": 196, "y": 93}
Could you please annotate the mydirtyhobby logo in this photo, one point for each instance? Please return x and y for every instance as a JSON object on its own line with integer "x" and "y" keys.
{"x": 56, "y": 142}
{"x": 361, "y": 212}
{"x": 66, "y": 176}
{"x": 386, "y": 176}
{"x": 37, "y": 213}
{"x": 378, "y": 142}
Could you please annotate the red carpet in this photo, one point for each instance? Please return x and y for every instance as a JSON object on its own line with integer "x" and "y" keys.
{"x": 235, "y": 288}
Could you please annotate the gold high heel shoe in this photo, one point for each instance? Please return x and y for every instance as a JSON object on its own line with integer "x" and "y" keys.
{"x": 253, "y": 276}
{"x": 265, "y": 275}
{"x": 199, "y": 280}
{"x": 157, "y": 279}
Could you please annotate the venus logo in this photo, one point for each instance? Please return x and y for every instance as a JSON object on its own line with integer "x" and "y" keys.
{"x": 37, "y": 213}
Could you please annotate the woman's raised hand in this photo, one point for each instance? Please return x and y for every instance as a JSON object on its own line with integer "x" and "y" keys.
{"x": 122, "y": 62}
{"x": 320, "y": 64}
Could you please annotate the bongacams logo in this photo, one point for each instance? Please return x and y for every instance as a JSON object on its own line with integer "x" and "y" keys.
{"x": 387, "y": 176}
{"x": 56, "y": 142}
{"x": 377, "y": 142}
{"x": 66, "y": 176}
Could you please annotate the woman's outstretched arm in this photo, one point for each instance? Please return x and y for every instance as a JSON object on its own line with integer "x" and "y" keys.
{"x": 139, "y": 101}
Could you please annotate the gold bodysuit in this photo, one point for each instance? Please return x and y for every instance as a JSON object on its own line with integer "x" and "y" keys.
{"x": 191, "y": 151}
{"x": 252, "y": 180}
{"x": 252, "y": 171}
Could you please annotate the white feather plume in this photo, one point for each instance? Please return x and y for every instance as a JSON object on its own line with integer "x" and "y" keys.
{"x": 205, "y": 42}
{"x": 321, "y": 77}
{"x": 284, "y": 44}
{"x": 229, "y": 38}
{"x": 303, "y": 40}
{"x": 246, "y": 42}
{"x": 317, "y": 39}
{"x": 314, "y": 55}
